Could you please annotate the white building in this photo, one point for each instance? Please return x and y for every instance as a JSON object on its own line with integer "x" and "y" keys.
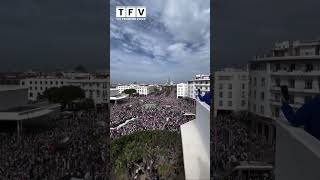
{"x": 231, "y": 90}
{"x": 94, "y": 88}
{"x": 141, "y": 89}
{"x": 202, "y": 82}
{"x": 295, "y": 64}
{"x": 182, "y": 90}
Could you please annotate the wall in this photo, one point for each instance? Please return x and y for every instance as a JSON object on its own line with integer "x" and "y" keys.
{"x": 297, "y": 154}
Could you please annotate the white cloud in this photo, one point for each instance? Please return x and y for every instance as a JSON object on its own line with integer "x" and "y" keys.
{"x": 174, "y": 42}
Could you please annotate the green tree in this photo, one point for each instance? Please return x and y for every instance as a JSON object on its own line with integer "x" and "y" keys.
{"x": 64, "y": 94}
{"x": 130, "y": 91}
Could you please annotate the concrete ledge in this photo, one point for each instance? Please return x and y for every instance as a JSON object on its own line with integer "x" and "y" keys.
{"x": 196, "y": 144}
{"x": 297, "y": 153}
{"x": 196, "y": 159}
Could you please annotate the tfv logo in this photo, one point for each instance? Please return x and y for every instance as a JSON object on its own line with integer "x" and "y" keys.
{"x": 131, "y": 13}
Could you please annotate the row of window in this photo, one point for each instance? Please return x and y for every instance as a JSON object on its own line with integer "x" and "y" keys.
{"x": 262, "y": 95}
{"x": 292, "y": 67}
{"x": 254, "y": 108}
{"x": 243, "y": 103}
{"x": 308, "y": 84}
{"x": 243, "y": 94}
{"x": 262, "y": 81}
{"x": 221, "y": 86}
{"x": 44, "y": 82}
{"x": 277, "y": 98}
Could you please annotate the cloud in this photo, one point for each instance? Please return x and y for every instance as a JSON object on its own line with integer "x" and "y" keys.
{"x": 172, "y": 42}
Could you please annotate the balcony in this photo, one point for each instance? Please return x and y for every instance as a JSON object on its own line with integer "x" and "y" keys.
{"x": 297, "y": 153}
{"x": 195, "y": 136}
{"x": 296, "y": 90}
{"x": 296, "y": 73}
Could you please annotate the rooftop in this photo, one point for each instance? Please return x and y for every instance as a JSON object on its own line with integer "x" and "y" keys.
{"x": 18, "y": 109}
{"x": 10, "y": 87}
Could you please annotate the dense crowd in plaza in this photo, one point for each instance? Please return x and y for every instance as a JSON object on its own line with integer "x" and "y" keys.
{"x": 73, "y": 147}
{"x": 153, "y": 112}
{"x": 233, "y": 142}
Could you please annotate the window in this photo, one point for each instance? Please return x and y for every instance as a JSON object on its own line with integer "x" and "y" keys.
{"x": 40, "y": 82}
{"x": 230, "y": 86}
{"x": 255, "y": 82}
{"x": 221, "y": 94}
{"x": 229, "y": 94}
{"x": 291, "y": 83}
{"x": 292, "y": 67}
{"x": 308, "y": 84}
{"x": 22, "y": 83}
{"x": 243, "y": 86}
{"x": 278, "y": 82}
{"x": 262, "y": 96}
{"x": 45, "y": 82}
{"x": 229, "y": 103}
{"x": 36, "y": 82}
{"x": 61, "y": 82}
{"x": 30, "y": 87}
{"x": 56, "y": 82}
{"x": 243, "y": 103}
{"x": 262, "y": 109}
{"x": 309, "y": 68}
{"x": 30, "y": 82}
{"x": 277, "y": 67}
{"x": 220, "y": 103}
{"x": 243, "y": 95}
{"x": 51, "y": 82}
{"x": 36, "y": 88}
{"x": 31, "y": 94}
{"x": 263, "y": 82}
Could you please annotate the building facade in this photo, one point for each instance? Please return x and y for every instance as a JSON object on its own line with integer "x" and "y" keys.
{"x": 231, "y": 90}
{"x": 94, "y": 88}
{"x": 295, "y": 64}
{"x": 182, "y": 90}
{"x": 200, "y": 81}
{"x": 141, "y": 89}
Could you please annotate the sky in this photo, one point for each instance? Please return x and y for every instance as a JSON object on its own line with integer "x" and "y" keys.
{"x": 55, "y": 34}
{"x": 243, "y": 28}
{"x": 173, "y": 42}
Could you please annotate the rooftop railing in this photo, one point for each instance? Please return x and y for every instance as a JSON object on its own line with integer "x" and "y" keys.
{"x": 196, "y": 144}
{"x": 297, "y": 153}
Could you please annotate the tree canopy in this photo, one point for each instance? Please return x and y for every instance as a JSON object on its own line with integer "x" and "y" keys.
{"x": 64, "y": 94}
{"x": 130, "y": 91}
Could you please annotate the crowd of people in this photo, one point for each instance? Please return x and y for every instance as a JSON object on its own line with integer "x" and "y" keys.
{"x": 234, "y": 142}
{"x": 152, "y": 112}
{"x": 73, "y": 147}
